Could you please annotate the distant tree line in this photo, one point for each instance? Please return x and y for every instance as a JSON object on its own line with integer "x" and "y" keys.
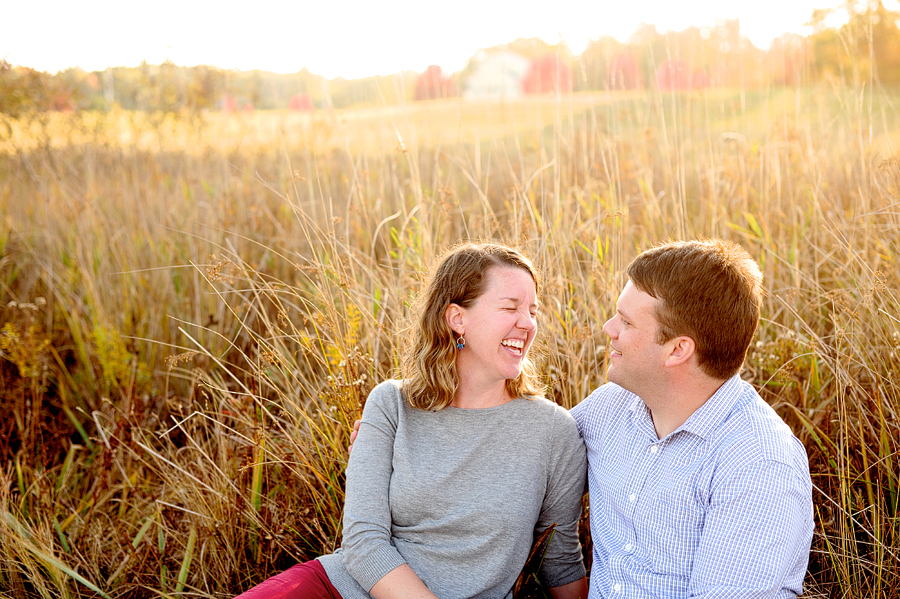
{"x": 865, "y": 49}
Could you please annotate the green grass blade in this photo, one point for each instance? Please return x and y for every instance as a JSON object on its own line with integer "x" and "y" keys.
{"x": 186, "y": 562}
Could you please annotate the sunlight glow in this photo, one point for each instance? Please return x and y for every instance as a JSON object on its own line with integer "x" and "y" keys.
{"x": 351, "y": 39}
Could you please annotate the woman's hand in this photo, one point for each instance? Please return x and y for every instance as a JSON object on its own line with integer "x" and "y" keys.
{"x": 401, "y": 583}
{"x": 353, "y": 434}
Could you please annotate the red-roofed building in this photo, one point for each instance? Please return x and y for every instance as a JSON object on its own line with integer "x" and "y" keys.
{"x": 623, "y": 72}
{"x": 433, "y": 84}
{"x": 673, "y": 75}
{"x": 699, "y": 79}
{"x": 547, "y": 74}
{"x": 301, "y": 103}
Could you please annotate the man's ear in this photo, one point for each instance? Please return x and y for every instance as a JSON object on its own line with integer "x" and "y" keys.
{"x": 455, "y": 316}
{"x": 681, "y": 350}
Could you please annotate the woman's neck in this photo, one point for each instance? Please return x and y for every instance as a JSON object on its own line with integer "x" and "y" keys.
{"x": 470, "y": 398}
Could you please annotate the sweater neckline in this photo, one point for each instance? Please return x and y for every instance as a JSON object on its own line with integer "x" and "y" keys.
{"x": 491, "y": 409}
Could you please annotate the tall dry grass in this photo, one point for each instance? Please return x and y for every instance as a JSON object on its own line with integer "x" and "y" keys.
{"x": 192, "y": 315}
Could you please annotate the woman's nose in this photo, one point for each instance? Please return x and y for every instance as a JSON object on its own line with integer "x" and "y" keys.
{"x": 527, "y": 321}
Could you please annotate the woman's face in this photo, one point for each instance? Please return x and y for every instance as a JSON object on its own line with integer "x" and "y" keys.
{"x": 499, "y": 327}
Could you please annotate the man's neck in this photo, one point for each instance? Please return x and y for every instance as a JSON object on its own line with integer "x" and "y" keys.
{"x": 679, "y": 402}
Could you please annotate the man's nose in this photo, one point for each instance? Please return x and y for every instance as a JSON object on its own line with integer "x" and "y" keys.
{"x": 609, "y": 327}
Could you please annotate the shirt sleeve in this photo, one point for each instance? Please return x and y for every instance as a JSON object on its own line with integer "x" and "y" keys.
{"x": 592, "y": 413}
{"x": 368, "y": 551}
{"x": 567, "y": 464}
{"x": 756, "y": 535}
{"x": 580, "y": 411}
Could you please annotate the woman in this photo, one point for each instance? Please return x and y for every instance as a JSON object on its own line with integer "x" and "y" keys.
{"x": 460, "y": 465}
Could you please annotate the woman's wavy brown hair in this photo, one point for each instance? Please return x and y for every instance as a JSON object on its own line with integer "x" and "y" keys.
{"x": 429, "y": 362}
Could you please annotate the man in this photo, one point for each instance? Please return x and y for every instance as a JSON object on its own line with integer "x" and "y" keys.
{"x": 697, "y": 487}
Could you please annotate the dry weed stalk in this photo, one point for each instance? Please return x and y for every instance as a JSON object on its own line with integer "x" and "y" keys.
{"x": 216, "y": 317}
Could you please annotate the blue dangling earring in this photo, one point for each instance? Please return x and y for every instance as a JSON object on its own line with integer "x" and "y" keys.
{"x": 460, "y": 343}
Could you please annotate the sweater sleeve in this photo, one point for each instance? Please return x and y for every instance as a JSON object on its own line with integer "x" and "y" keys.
{"x": 567, "y": 470}
{"x": 368, "y": 551}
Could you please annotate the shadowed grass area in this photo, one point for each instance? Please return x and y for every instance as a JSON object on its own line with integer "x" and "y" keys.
{"x": 193, "y": 313}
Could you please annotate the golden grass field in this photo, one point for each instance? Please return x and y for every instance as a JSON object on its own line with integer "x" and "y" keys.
{"x": 193, "y": 308}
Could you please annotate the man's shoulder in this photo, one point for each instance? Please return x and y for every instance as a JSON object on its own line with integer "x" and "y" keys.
{"x": 754, "y": 432}
{"x": 601, "y": 397}
{"x": 603, "y": 402}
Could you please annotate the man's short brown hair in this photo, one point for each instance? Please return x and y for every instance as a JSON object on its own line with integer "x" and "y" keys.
{"x": 711, "y": 291}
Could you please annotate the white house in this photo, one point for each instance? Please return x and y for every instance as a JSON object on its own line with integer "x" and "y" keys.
{"x": 499, "y": 76}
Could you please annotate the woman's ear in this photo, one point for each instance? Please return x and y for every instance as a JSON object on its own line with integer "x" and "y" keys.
{"x": 455, "y": 316}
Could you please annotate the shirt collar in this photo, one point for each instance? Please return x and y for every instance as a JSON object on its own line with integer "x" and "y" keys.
{"x": 704, "y": 421}
{"x": 713, "y": 413}
{"x": 642, "y": 418}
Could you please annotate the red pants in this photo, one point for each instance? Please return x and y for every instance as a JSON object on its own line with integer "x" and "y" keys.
{"x": 303, "y": 581}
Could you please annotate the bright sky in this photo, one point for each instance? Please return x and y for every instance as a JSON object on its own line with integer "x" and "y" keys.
{"x": 349, "y": 38}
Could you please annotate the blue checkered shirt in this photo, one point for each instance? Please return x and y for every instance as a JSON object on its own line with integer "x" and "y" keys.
{"x": 721, "y": 507}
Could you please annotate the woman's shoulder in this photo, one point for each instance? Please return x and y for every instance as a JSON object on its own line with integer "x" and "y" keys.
{"x": 548, "y": 411}
{"x": 553, "y": 428}
{"x": 386, "y": 395}
{"x": 544, "y": 405}
{"x": 389, "y": 388}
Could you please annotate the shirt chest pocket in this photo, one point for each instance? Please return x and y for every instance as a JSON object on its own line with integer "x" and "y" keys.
{"x": 676, "y": 537}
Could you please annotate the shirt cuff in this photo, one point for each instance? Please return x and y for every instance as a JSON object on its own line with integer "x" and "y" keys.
{"x": 374, "y": 567}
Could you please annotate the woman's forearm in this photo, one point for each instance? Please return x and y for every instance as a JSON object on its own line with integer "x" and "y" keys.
{"x": 573, "y": 590}
{"x": 402, "y": 583}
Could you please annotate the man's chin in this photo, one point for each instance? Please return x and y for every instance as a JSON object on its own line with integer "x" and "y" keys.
{"x": 611, "y": 375}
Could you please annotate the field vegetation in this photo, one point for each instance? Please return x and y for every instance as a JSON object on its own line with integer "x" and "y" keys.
{"x": 192, "y": 310}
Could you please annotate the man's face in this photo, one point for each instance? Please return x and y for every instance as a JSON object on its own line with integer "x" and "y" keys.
{"x": 636, "y": 360}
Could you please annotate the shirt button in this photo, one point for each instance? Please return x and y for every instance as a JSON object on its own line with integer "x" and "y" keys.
{"x": 654, "y": 449}
{"x": 628, "y": 547}
{"x": 632, "y": 497}
{"x": 617, "y": 587}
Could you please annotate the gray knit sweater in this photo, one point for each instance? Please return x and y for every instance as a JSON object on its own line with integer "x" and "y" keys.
{"x": 459, "y": 495}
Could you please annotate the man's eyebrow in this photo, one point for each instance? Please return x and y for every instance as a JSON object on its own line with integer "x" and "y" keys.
{"x": 625, "y": 315}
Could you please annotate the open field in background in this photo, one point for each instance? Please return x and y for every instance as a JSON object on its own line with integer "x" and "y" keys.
{"x": 193, "y": 310}
{"x": 618, "y": 115}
